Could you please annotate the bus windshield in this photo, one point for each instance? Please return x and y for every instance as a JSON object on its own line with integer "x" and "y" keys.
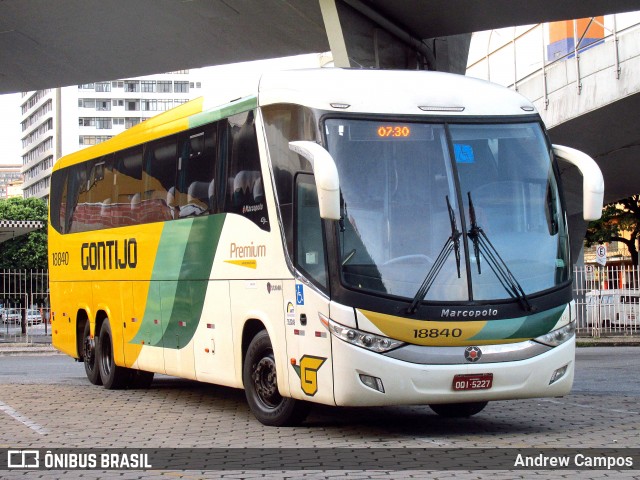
{"x": 448, "y": 212}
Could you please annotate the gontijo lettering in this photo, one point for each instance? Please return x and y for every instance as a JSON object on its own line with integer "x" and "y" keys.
{"x": 109, "y": 255}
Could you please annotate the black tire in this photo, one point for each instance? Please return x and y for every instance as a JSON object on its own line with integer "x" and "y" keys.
{"x": 261, "y": 387}
{"x": 458, "y": 410}
{"x": 91, "y": 368}
{"x": 113, "y": 377}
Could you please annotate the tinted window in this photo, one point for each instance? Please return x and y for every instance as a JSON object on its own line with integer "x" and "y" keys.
{"x": 158, "y": 179}
{"x": 245, "y": 187}
{"x": 195, "y": 193}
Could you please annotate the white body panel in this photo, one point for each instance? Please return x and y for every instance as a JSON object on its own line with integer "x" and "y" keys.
{"x": 407, "y": 383}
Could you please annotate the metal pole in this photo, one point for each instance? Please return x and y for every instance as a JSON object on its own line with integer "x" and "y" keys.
{"x": 615, "y": 46}
{"x": 577, "y": 57}
{"x": 544, "y": 68}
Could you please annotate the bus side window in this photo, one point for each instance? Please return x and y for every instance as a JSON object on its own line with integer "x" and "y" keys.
{"x": 196, "y": 166}
{"x": 127, "y": 187}
{"x": 245, "y": 187}
{"x": 309, "y": 239}
{"x": 158, "y": 178}
{"x": 100, "y": 181}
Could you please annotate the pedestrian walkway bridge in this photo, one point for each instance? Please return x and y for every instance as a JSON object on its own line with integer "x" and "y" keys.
{"x": 588, "y": 98}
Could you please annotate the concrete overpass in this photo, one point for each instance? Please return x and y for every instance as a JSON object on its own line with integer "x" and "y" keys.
{"x": 47, "y": 44}
{"x": 590, "y": 101}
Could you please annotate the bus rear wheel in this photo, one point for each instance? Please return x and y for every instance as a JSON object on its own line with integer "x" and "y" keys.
{"x": 458, "y": 410}
{"x": 261, "y": 387}
{"x": 113, "y": 377}
{"x": 91, "y": 368}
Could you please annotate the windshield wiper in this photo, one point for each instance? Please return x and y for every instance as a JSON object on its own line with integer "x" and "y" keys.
{"x": 482, "y": 244}
{"x": 452, "y": 244}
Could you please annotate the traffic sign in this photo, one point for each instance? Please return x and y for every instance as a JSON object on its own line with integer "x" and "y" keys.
{"x": 601, "y": 255}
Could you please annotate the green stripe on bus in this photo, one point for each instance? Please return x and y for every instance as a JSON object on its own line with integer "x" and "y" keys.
{"x": 531, "y": 326}
{"x": 223, "y": 111}
{"x": 179, "y": 281}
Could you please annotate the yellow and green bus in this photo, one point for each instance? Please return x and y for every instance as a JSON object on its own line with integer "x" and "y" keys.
{"x": 345, "y": 237}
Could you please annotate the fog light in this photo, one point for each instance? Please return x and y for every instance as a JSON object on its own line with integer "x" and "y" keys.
{"x": 558, "y": 374}
{"x": 372, "y": 382}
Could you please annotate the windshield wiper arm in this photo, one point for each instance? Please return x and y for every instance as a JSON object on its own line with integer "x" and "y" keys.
{"x": 451, "y": 245}
{"x": 482, "y": 244}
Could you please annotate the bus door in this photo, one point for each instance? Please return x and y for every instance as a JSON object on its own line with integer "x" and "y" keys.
{"x": 306, "y": 299}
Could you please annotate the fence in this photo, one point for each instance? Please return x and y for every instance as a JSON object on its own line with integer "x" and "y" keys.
{"x": 607, "y": 300}
{"x": 24, "y": 303}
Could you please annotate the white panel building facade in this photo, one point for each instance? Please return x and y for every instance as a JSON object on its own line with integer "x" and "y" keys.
{"x": 56, "y": 122}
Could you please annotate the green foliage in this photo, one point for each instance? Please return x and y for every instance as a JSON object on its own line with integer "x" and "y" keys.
{"x": 30, "y": 250}
{"x": 620, "y": 222}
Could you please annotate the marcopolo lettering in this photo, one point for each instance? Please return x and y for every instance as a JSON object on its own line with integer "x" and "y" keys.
{"x": 487, "y": 312}
{"x": 109, "y": 255}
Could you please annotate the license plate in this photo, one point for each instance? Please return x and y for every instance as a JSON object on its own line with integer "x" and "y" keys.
{"x": 474, "y": 381}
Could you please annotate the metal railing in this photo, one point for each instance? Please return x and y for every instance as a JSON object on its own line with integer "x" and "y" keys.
{"x": 24, "y": 304}
{"x": 524, "y": 55}
{"x": 607, "y": 300}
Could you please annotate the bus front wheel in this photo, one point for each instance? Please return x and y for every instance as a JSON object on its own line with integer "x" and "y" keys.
{"x": 261, "y": 387}
{"x": 91, "y": 368}
{"x": 458, "y": 410}
{"x": 113, "y": 377}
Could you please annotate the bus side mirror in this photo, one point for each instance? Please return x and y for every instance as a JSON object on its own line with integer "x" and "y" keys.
{"x": 592, "y": 180}
{"x": 326, "y": 176}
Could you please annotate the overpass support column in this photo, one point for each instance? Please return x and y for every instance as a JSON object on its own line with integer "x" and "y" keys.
{"x": 362, "y": 37}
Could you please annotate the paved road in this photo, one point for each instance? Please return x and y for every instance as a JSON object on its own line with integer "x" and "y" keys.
{"x": 45, "y": 402}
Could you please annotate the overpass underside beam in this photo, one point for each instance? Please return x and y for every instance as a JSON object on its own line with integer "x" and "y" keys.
{"x": 361, "y": 37}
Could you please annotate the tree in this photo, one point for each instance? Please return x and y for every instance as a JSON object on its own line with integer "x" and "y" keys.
{"x": 620, "y": 222}
{"x": 27, "y": 251}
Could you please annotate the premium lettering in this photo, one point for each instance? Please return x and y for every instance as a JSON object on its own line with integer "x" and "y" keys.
{"x": 109, "y": 255}
{"x": 247, "y": 251}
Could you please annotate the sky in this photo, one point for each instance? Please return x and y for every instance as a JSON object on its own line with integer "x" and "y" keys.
{"x": 10, "y": 113}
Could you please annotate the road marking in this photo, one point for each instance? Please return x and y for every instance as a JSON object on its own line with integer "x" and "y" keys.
{"x": 23, "y": 419}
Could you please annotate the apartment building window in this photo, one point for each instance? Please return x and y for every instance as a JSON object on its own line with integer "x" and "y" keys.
{"x": 164, "y": 105}
{"x": 87, "y": 86}
{"x": 103, "y": 87}
{"x": 103, "y": 123}
{"x": 132, "y": 85}
{"x": 164, "y": 86}
{"x": 148, "y": 86}
{"x": 93, "y": 139}
{"x": 117, "y": 84}
{"x": 132, "y": 105}
{"x": 118, "y": 121}
{"x": 86, "y": 103}
{"x": 181, "y": 87}
{"x": 86, "y": 122}
{"x": 131, "y": 122}
{"x": 149, "y": 105}
{"x": 103, "y": 105}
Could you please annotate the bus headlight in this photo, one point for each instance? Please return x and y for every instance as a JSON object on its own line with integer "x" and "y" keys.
{"x": 370, "y": 341}
{"x": 559, "y": 336}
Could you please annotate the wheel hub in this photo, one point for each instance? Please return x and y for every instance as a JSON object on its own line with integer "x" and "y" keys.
{"x": 264, "y": 379}
{"x": 89, "y": 350}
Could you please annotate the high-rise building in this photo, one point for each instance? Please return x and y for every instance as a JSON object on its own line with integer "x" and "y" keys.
{"x": 56, "y": 122}
{"x": 9, "y": 175}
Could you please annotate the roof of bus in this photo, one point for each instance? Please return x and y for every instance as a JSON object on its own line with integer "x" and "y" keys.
{"x": 392, "y": 92}
{"x": 401, "y": 92}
